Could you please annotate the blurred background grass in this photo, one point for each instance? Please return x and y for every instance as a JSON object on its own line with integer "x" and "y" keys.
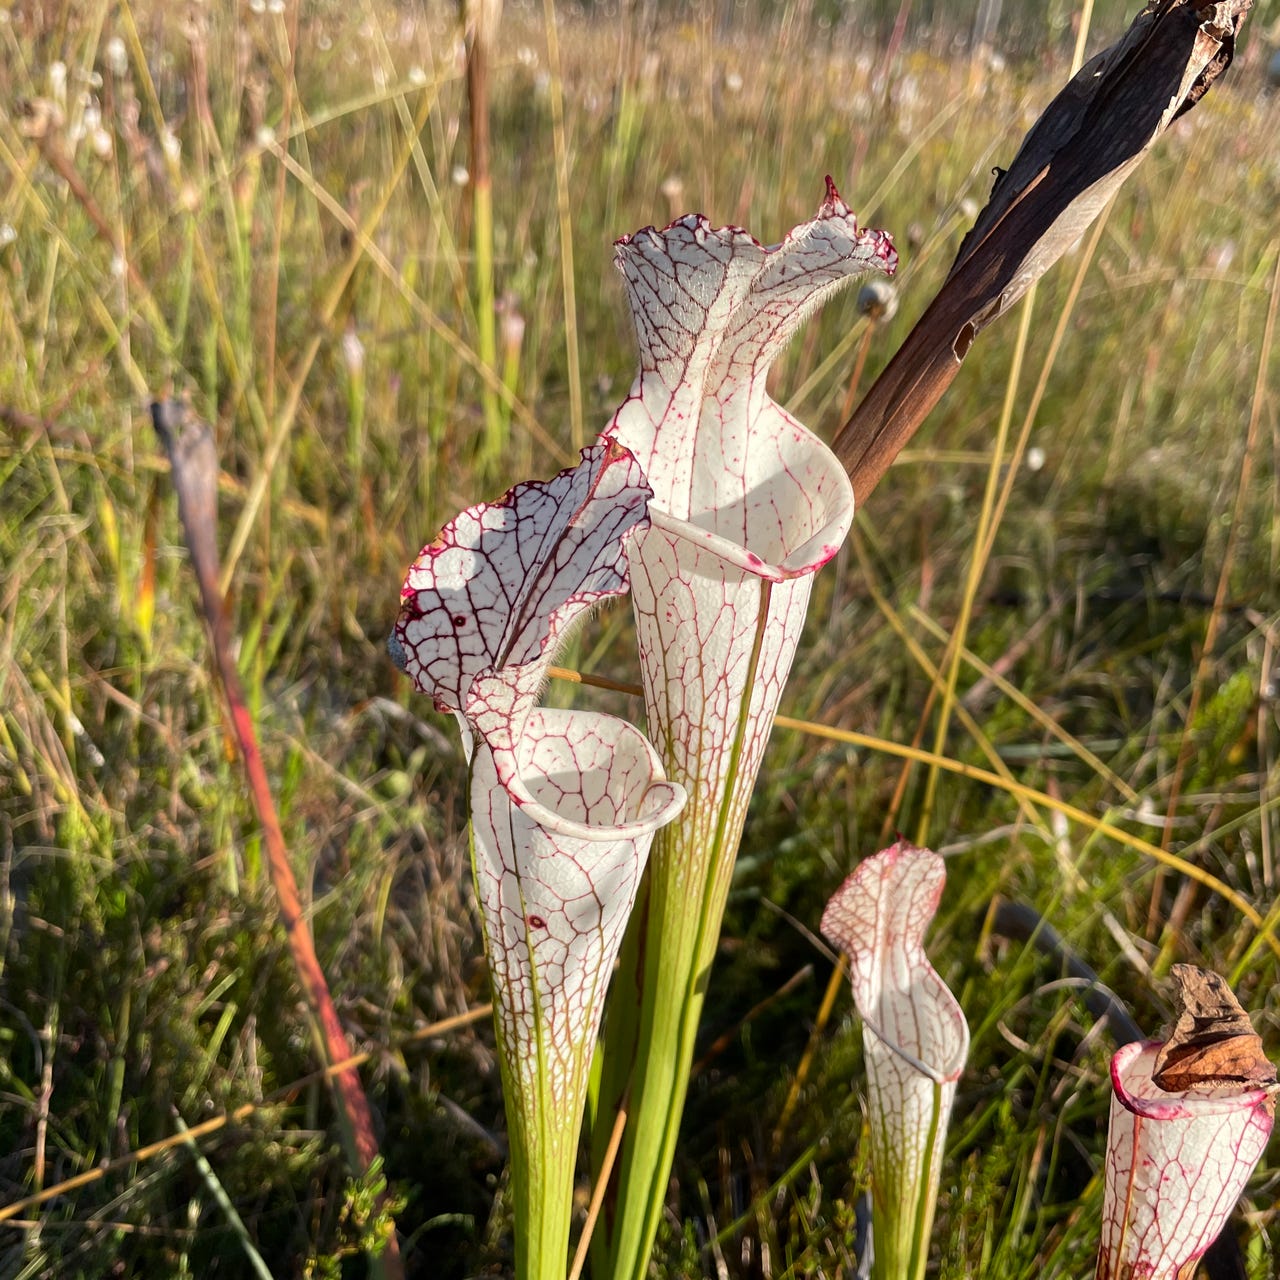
{"x": 268, "y": 210}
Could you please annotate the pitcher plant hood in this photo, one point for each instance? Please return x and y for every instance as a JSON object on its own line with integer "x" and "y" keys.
{"x": 713, "y": 308}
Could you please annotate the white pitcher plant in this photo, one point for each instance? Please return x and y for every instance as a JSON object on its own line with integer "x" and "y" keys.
{"x": 747, "y": 506}
{"x": 915, "y": 1041}
{"x": 720, "y": 507}
{"x": 1190, "y": 1119}
{"x": 564, "y": 804}
{"x": 1176, "y": 1165}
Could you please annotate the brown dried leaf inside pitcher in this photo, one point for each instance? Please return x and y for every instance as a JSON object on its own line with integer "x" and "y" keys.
{"x": 1213, "y": 1042}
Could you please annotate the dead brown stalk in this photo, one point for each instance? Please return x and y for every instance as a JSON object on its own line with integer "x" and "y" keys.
{"x": 1089, "y": 139}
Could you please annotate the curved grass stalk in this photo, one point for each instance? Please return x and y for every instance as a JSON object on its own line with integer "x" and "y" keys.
{"x": 1265, "y": 928}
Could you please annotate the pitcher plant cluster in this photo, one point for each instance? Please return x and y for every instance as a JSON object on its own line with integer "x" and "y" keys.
{"x": 595, "y": 847}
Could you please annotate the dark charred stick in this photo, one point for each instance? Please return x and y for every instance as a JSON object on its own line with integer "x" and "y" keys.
{"x": 1077, "y": 155}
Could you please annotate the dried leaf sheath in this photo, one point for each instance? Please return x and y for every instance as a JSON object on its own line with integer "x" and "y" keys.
{"x": 1075, "y": 158}
{"x": 1214, "y": 1042}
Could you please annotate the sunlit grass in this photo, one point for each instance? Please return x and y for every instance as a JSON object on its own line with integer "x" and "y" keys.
{"x": 290, "y": 249}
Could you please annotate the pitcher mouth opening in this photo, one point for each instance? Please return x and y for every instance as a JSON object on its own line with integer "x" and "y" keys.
{"x": 806, "y": 559}
{"x": 1136, "y": 1091}
{"x": 622, "y": 797}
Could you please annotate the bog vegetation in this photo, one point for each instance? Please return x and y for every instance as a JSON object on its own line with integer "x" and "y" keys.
{"x": 269, "y": 211}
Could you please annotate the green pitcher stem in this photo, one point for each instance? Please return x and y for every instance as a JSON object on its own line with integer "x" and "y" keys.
{"x": 541, "y": 1193}
{"x": 658, "y": 1038}
{"x": 654, "y": 1010}
{"x": 903, "y": 1202}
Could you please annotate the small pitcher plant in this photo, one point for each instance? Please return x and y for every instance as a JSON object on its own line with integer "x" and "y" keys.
{"x": 915, "y": 1039}
{"x": 1190, "y": 1119}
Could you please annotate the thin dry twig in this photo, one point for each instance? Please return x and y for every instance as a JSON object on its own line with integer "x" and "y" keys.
{"x": 29, "y": 424}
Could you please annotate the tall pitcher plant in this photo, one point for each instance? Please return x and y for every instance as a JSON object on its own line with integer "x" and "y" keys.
{"x": 747, "y": 506}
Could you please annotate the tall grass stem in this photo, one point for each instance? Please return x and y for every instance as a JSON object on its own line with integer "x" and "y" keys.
{"x": 977, "y": 564}
{"x": 564, "y": 216}
{"x": 481, "y": 18}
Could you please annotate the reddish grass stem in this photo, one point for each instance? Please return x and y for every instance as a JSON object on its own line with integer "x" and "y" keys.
{"x": 191, "y": 450}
